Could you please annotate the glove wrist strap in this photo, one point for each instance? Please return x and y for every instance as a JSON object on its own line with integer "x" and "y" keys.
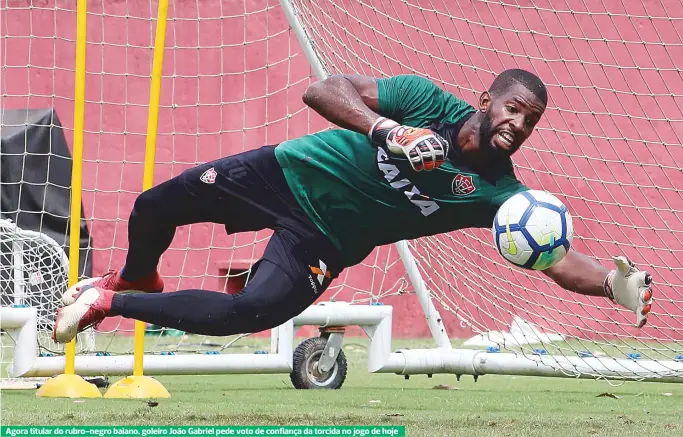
{"x": 607, "y": 285}
{"x": 380, "y": 130}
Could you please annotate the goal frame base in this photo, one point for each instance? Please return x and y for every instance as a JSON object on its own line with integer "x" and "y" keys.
{"x": 376, "y": 322}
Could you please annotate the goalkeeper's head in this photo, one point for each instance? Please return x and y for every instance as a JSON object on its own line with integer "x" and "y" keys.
{"x": 510, "y": 110}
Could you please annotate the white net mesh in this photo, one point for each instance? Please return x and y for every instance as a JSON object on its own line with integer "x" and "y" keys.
{"x": 234, "y": 73}
{"x": 33, "y": 273}
{"x": 609, "y": 145}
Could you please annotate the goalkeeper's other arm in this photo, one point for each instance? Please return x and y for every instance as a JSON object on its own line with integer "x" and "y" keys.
{"x": 625, "y": 284}
{"x": 352, "y": 102}
{"x": 349, "y": 101}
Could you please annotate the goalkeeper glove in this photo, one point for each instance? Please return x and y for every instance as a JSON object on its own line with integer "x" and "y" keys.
{"x": 425, "y": 149}
{"x": 629, "y": 287}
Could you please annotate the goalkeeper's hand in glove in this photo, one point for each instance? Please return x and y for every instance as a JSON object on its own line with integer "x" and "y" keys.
{"x": 425, "y": 149}
{"x": 630, "y": 287}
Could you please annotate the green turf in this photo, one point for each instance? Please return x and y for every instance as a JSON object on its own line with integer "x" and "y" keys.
{"x": 493, "y": 406}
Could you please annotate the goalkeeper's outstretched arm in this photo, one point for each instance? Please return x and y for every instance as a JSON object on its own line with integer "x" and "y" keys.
{"x": 579, "y": 273}
{"x": 625, "y": 285}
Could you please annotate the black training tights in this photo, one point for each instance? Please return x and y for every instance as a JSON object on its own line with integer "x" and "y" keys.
{"x": 273, "y": 300}
{"x": 238, "y": 195}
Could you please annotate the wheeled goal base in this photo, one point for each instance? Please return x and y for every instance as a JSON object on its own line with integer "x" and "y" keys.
{"x": 320, "y": 363}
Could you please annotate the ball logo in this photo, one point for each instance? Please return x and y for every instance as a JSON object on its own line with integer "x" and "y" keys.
{"x": 463, "y": 185}
{"x": 209, "y": 176}
{"x": 512, "y": 247}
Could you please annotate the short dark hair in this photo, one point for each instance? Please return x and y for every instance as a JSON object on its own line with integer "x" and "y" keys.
{"x": 529, "y": 80}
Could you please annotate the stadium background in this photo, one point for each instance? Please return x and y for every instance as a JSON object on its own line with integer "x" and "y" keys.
{"x": 610, "y": 142}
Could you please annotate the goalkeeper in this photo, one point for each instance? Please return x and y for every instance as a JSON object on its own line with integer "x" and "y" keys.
{"x": 410, "y": 160}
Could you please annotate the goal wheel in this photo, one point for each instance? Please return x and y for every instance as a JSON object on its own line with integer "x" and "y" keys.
{"x": 305, "y": 373}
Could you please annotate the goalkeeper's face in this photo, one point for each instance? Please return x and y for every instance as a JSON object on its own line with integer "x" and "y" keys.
{"x": 509, "y": 119}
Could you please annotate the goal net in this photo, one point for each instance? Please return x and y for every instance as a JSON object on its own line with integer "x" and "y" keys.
{"x": 33, "y": 273}
{"x": 609, "y": 145}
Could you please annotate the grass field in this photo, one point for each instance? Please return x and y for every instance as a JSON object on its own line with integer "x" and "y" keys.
{"x": 493, "y": 406}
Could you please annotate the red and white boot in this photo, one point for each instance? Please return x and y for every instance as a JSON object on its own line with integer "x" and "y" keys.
{"x": 91, "y": 306}
{"x": 112, "y": 281}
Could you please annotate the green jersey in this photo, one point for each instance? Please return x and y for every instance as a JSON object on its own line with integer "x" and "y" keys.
{"x": 361, "y": 196}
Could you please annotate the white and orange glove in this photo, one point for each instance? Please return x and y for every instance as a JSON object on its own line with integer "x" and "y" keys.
{"x": 630, "y": 288}
{"x": 424, "y": 148}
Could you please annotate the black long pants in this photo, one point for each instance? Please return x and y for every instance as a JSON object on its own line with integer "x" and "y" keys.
{"x": 244, "y": 192}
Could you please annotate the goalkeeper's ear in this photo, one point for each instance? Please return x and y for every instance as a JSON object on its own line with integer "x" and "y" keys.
{"x": 484, "y": 101}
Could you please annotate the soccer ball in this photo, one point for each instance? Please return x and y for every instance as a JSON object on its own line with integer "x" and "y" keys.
{"x": 533, "y": 230}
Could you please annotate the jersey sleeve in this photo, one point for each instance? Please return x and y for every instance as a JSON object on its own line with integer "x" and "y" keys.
{"x": 413, "y": 100}
{"x": 508, "y": 188}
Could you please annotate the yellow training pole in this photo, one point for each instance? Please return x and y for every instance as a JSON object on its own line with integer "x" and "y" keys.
{"x": 69, "y": 384}
{"x": 139, "y": 386}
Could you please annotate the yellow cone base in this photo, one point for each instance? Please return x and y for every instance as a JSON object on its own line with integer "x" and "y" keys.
{"x": 68, "y": 386}
{"x": 137, "y": 387}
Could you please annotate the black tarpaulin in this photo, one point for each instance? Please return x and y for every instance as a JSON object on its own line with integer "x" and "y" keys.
{"x": 35, "y": 178}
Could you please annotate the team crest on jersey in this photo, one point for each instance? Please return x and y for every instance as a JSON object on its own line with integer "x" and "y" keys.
{"x": 463, "y": 185}
{"x": 209, "y": 176}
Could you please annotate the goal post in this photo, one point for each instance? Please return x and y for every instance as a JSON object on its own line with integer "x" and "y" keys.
{"x": 232, "y": 79}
